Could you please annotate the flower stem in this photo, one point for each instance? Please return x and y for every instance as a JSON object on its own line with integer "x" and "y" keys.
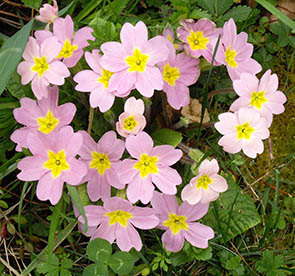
{"x": 90, "y": 121}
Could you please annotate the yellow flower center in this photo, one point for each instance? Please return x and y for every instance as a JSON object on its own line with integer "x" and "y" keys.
{"x": 170, "y": 74}
{"x": 137, "y": 62}
{"x": 41, "y": 65}
{"x": 197, "y": 41}
{"x": 119, "y": 216}
{"x": 176, "y": 223}
{"x": 56, "y": 163}
{"x": 130, "y": 123}
{"x": 244, "y": 131}
{"x": 67, "y": 50}
{"x": 203, "y": 182}
{"x": 258, "y": 99}
{"x": 146, "y": 165}
{"x": 230, "y": 57}
{"x": 100, "y": 161}
{"x": 104, "y": 79}
{"x": 47, "y": 123}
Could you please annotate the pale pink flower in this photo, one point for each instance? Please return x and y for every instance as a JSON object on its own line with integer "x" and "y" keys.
{"x": 199, "y": 37}
{"x": 235, "y": 53}
{"x": 131, "y": 121}
{"x": 152, "y": 165}
{"x": 179, "y": 222}
{"x": 44, "y": 116}
{"x": 134, "y": 60}
{"x": 206, "y": 186}
{"x": 178, "y": 72}
{"x": 242, "y": 130}
{"x": 96, "y": 81}
{"x": 169, "y": 34}
{"x": 72, "y": 42}
{"x": 103, "y": 162}
{"x": 48, "y": 13}
{"x": 116, "y": 221}
{"x": 41, "y": 66}
{"x": 53, "y": 162}
{"x": 262, "y": 95}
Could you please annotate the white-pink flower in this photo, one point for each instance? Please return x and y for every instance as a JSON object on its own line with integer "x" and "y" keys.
{"x": 206, "y": 186}
{"x": 199, "y": 37}
{"x": 41, "y": 66}
{"x": 133, "y": 61}
{"x": 96, "y": 81}
{"x": 169, "y": 34}
{"x": 116, "y": 221}
{"x": 48, "y": 13}
{"x": 152, "y": 165}
{"x": 235, "y": 53}
{"x": 103, "y": 162}
{"x": 72, "y": 42}
{"x": 131, "y": 121}
{"x": 242, "y": 130}
{"x": 180, "y": 222}
{"x": 45, "y": 116}
{"x": 262, "y": 95}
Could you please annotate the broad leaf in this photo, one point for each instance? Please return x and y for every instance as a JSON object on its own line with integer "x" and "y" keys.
{"x": 99, "y": 250}
{"x": 122, "y": 262}
{"x": 11, "y": 53}
{"x": 234, "y": 212}
{"x": 98, "y": 269}
{"x": 165, "y": 136}
{"x": 238, "y": 14}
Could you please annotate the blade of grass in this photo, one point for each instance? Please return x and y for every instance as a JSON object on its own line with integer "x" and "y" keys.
{"x": 280, "y": 15}
{"x": 20, "y": 206}
{"x": 88, "y": 9}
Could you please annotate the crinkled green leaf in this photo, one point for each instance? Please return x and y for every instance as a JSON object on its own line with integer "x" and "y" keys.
{"x": 223, "y": 6}
{"x": 122, "y": 262}
{"x": 33, "y": 4}
{"x": 11, "y": 53}
{"x": 235, "y": 212}
{"x": 99, "y": 250}
{"x": 46, "y": 267}
{"x": 165, "y": 136}
{"x": 238, "y": 14}
{"x": 198, "y": 14}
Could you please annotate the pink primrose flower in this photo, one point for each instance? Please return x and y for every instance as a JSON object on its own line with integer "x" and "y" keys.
{"x": 134, "y": 60}
{"x": 206, "y": 186}
{"x": 53, "y": 162}
{"x": 131, "y": 121}
{"x": 235, "y": 53}
{"x": 103, "y": 162}
{"x": 72, "y": 43}
{"x": 48, "y": 13}
{"x": 262, "y": 95}
{"x": 152, "y": 165}
{"x": 242, "y": 130}
{"x": 169, "y": 34}
{"x": 179, "y": 222}
{"x": 179, "y": 71}
{"x": 199, "y": 37}
{"x": 44, "y": 116}
{"x": 41, "y": 66}
{"x": 116, "y": 221}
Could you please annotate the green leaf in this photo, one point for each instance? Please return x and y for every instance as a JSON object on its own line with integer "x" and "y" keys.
{"x": 198, "y": 14}
{"x": 207, "y": 5}
{"x": 238, "y": 14}
{"x": 165, "y": 136}
{"x": 3, "y": 204}
{"x": 196, "y": 155}
{"x": 15, "y": 87}
{"x": 121, "y": 262}
{"x": 202, "y": 254}
{"x": 11, "y": 53}
{"x": 87, "y": 9}
{"x": 99, "y": 250}
{"x": 98, "y": 269}
{"x": 78, "y": 203}
{"x": 233, "y": 213}
{"x": 33, "y": 4}
{"x": 49, "y": 267}
{"x": 223, "y": 6}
